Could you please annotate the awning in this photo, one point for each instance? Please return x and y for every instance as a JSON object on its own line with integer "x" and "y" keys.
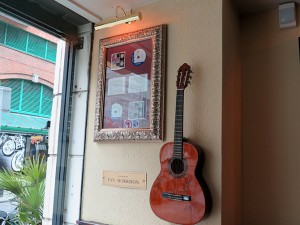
{"x": 21, "y": 123}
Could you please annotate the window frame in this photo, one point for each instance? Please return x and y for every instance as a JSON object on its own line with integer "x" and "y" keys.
{"x": 68, "y": 31}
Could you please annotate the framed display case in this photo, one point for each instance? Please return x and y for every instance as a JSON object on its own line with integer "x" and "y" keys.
{"x": 130, "y": 86}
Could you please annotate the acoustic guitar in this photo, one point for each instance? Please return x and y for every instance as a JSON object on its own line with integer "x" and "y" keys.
{"x": 179, "y": 193}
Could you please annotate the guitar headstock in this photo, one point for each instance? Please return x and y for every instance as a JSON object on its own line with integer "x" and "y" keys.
{"x": 183, "y": 76}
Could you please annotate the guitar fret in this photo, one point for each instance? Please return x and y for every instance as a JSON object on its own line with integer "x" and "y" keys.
{"x": 178, "y": 131}
{"x": 177, "y": 153}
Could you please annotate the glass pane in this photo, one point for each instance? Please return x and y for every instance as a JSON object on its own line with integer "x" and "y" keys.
{"x": 26, "y": 112}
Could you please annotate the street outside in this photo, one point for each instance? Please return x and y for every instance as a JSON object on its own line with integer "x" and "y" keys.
{"x": 7, "y": 204}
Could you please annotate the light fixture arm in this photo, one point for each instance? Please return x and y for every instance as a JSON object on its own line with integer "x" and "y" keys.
{"x": 120, "y": 7}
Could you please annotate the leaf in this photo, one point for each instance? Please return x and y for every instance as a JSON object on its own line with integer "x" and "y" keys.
{"x": 10, "y": 181}
{"x": 28, "y": 186}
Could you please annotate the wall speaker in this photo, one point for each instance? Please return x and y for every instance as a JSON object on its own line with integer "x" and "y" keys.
{"x": 287, "y": 15}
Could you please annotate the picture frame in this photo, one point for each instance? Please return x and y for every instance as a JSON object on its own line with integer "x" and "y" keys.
{"x": 130, "y": 86}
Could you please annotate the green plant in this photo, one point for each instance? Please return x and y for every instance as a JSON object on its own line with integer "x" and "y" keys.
{"x": 28, "y": 187}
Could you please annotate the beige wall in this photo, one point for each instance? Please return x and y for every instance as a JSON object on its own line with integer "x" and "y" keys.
{"x": 270, "y": 118}
{"x": 231, "y": 118}
{"x": 195, "y": 37}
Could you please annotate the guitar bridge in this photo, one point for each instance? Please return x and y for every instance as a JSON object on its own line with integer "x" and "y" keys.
{"x": 176, "y": 197}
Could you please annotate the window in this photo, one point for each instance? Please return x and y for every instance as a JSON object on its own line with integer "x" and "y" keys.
{"x": 21, "y": 40}
{"x": 29, "y": 98}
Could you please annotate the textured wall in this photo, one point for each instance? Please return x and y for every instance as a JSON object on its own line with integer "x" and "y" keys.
{"x": 195, "y": 37}
{"x": 270, "y": 118}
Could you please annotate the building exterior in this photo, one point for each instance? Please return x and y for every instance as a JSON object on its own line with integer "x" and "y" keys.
{"x": 26, "y": 53}
{"x": 27, "y": 65}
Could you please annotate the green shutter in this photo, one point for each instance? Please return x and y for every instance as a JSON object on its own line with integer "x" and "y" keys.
{"x": 16, "y": 38}
{"x": 15, "y": 86}
{"x": 51, "y": 51}
{"x": 2, "y": 32}
{"x": 36, "y": 46}
{"x": 47, "y": 101}
{"x": 24, "y": 41}
{"x": 31, "y": 98}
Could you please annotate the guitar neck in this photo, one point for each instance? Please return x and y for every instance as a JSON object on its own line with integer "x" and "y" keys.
{"x": 178, "y": 131}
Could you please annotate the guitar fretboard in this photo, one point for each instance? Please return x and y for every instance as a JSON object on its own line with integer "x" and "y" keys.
{"x": 178, "y": 131}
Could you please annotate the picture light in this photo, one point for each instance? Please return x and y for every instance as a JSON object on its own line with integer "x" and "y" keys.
{"x": 127, "y": 19}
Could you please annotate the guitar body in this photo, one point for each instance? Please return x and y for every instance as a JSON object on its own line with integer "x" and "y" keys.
{"x": 176, "y": 195}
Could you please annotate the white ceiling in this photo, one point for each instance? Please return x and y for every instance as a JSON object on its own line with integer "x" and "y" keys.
{"x": 97, "y": 10}
{"x": 253, "y": 6}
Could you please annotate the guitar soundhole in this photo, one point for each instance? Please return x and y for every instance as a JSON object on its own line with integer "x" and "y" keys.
{"x": 177, "y": 167}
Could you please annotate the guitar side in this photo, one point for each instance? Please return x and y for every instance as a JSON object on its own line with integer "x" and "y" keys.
{"x": 182, "y": 199}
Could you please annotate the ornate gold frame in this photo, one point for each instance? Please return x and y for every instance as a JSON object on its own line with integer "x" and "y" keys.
{"x": 156, "y": 110}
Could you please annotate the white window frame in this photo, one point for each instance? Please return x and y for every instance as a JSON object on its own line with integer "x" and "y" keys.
{"x": 73, "y": 187}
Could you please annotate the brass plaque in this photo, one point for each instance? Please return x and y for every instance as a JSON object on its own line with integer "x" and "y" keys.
{"x": 125, "y": 179}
